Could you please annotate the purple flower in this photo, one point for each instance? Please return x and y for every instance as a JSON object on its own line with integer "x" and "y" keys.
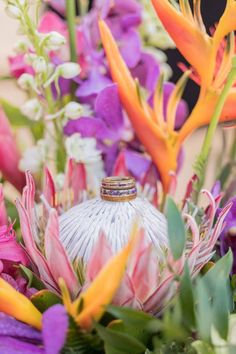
{"x": 19, "y": 338}
{"x": 228, "y": 235}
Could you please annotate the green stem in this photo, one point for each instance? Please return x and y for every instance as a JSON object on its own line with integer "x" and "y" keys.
{"x": 71, "y": 14}
{"x": 233, "y": 149}
{"x": 201, "y": 162}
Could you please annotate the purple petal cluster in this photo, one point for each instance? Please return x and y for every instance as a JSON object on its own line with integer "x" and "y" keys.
{"x": 228, "y": 235}
{"x": 19, "y": 338}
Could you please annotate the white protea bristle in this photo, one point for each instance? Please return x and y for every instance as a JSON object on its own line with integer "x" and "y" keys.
{"x": 81, "y": 226}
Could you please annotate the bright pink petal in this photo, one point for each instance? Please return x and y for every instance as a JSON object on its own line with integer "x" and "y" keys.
{"x": 49, "y": 190}
{"x": 9, "y": 155}
{"x": 3, "y": 212}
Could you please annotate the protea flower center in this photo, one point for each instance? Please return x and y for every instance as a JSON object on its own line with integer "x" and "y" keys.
{"x": 114, "y": 214}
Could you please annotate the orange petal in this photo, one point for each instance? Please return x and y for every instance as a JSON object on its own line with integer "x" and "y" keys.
{"x": 148, "y": 132}
{"x": 229, "y": 110}
{"x": 103, "y": 288}
{"x": 226, "y": 24}
{"x": 18, "y": 306}
{"x": 194, "y": 44}
{"x": 204, "y": 110}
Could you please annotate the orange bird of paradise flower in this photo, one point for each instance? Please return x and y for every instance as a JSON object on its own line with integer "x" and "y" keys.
{"x": 186, "y": 28}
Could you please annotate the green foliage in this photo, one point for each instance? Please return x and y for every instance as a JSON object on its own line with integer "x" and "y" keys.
{"x": 186, "y": 299}
{"x": 176, "y": 229}
{"x": 17, "y": 119}
{"x": 44, "y": 299}
{"x": 81, "y": 342}
{"x": 33, "y": 280}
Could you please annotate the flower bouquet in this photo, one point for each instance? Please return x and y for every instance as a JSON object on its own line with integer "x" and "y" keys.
{"x": 97, "y": 254}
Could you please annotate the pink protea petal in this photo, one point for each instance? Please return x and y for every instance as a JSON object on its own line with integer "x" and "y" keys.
{"x": 31, "y": 247}
{"x": 100, "y": 255}
{"x": 126, "y": 295}
{"x": 3, "y": 212}
{"x": 75, "y": 180}
{"x": 56, "y": 256}
{"x": 155, "y": 302}
{"x": 143, "y": 261}
{"x": 49, "y": 190}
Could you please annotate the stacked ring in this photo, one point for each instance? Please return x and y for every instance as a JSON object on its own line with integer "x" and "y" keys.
{"x": 118, "y": 189}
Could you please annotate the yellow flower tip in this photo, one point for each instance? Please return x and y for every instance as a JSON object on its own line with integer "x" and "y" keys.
{"x": 17, "y": 305}
{"x": 66, "y": 296}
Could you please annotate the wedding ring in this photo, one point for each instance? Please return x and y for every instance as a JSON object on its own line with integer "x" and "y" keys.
{"x": 118, "y": 189}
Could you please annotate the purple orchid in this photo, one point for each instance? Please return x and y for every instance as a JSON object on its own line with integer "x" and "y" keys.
{"x": 19, "y": 338}
{"x": 228, "y": 234}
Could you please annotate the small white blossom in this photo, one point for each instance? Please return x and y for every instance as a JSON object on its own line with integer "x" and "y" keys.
{"x": 13, "y": 12}
{"x": 73, "y": 110}
{"x": 34, "y": 157}
{"x": 82, "y": 149}
{"x": 52, "y": 40}
{"x": 40, "y": 65}
{"x": 32, "y": 109}
{"x": 27, "y": 82}
{"x": 22, "y": 46}
{"x": 67, "y": 71}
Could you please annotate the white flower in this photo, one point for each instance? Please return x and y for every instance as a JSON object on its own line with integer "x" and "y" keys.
{"x": 39, "y": 65}
{"x": 34, "y": 157}
{"x": 13, "y": 11}
{"x": 73, "y": 110}
{"x": 32, "y": 109}
{"x": 82, "y": 149}
{"x": 52, "y": 40}
{"x": 22, "y": 46}
{"x": 27, "y": 82}
{"x": 67, "y": 71}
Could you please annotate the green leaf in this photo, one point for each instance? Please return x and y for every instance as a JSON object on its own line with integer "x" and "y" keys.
{"x": 33, "y": 280}
{"x": 187, "y": 299}
{"x": 130, "y": 316}
{"x": 221, "y": 270}
{"x": 225, "y": 173}
{"x": 221, "y": 310}
{"x": 176, "y": 229}
{"x": 16, "y": 118}
{"x": 122, "y": 342}
{"x": 203, "y": 311}
{"x": 202, "y": 347}
{"x": 44, "y": 299}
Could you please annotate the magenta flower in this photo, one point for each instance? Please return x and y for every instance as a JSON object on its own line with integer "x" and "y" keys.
{"x": 9, "y": 155}
{"x": 228, "y": 234}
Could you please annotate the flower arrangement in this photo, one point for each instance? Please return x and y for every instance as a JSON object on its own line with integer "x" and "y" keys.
{"x": 99, "y": 104}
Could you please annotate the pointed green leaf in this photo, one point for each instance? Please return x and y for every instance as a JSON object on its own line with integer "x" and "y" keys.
{"x": 176, "y": 229}
{"x": 187, "y": 299}
{"x": 44, "y": 299}
{"x": 122, "y": 342}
